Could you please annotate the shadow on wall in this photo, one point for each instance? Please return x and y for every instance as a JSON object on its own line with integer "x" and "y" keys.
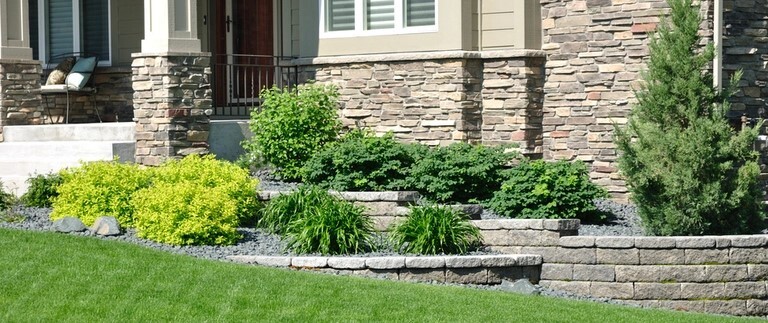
{"x": 225, "y": 138}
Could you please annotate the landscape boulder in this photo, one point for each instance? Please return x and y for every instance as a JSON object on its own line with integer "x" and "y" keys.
{"x": 69, "y": 224}
{"x": 106, "y": 226}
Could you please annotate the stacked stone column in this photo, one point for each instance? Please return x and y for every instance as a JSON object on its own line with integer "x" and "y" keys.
{"x": 19, "y": 93}
{"x": 172, "y": 100}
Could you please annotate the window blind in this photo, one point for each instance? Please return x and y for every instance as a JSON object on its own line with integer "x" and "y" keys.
{"x": 419, "y": 13}
{"x": 380, "y": 14}
{"x": 95, "y": 28}
{"x": 59, "y": 27}
{"x": 340, "y": 15}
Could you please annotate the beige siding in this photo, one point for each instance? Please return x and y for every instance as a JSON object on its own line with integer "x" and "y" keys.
{"x": 128, "y": 30}
{"x": 510, "y": 24}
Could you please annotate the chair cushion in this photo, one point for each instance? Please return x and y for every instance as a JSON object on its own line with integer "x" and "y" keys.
{"x": 56, "y": 88}
{"x": 77, "y": 80}
{"x": 59, "y": 73}
{"x": 85, "y": 65}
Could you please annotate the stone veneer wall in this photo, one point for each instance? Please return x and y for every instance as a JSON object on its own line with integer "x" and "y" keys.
{"x": 745, "y": 47}
{"x": 19, "y": 93}
{"x": 442, "y": 97}
{"x": 595, "y": 51}
{"x": 114, "y": 99}
{"x": 172, "y": 101}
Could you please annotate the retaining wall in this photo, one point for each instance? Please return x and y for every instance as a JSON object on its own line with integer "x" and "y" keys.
{"x": 485, "y": 270}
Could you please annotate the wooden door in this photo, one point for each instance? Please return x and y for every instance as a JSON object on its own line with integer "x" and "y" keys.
{"x": 243, "y": 49}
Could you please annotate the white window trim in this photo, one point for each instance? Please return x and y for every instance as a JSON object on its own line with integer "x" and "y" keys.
{"x": 400, "y": 28}
{"x": 42, "y": 24}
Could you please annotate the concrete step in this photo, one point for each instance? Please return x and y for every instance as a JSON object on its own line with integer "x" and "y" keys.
{"x": 112, "y": 131}
{"x": 50, "y": 150}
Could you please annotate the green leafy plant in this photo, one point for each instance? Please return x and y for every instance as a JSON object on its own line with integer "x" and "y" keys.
{"x": 361, "y": 161}
{"x": 292, "y": 125}
{"x": 99, "y": 188}
{"x": 6, "y": 198}
{"x": 433, "y": 229}
{"x": 283, "y": 209}
{"x": 206, "y": 171}
{"x": 334, "y": 226}
{"x": 186, "y": 213}
{"x": 689, "y": 171}
{"x": 42, "y": 190}
{"x": 460, "y": 172}
{"x": 548, "y": 190}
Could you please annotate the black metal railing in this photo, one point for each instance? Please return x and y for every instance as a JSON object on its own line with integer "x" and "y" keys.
{"x": 238, "y": 79}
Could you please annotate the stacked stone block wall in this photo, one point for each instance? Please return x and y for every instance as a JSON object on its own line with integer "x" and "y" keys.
{"x": 172, "y": 101}
{"x": 480, "y": 270}
{"x": 113, "y": 99}
{"x": 19, "y": 93}
{"x": 716, "y": 274}
{"x": 438, "y": 99}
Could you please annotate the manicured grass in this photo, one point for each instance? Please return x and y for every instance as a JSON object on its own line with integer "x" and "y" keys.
{"x": 49, "y": 277}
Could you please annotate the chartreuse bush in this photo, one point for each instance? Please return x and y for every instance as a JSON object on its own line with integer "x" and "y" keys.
{"x": 291, "y": 125}
{"x": 186, "y": 213}
{"x": 460, "y": 172}
{"x": 314, "y": 221}
{"x": 689, "y": 171}
{"x": 208, "y": 172}
{"x": 433, "y": 229}
{"x": 361, "y": 161}
{"x": 99, "y": 188}
{"x": 548, "y": 190}
{"x": 42, "y": 190}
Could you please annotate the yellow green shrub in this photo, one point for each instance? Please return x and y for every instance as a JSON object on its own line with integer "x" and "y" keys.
{"x": 186, "y": 213}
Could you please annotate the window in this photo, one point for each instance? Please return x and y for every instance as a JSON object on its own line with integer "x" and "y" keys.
{"x": 63, "y": 26}
{"x": 346, "y": 18}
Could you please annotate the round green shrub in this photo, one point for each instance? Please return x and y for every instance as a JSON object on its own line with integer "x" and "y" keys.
{"x": 42, "y": 190}
{"x": 434, "y": 229}
{"x": 460, "y": 172}
{"x": 361, "y": 161}
{"x": 186, "y": 213}
{"x": 548, "y": 190}
{"x": 292, "y": 125}
{"x": 206, "y": 171}
{"x": 99, "y": 188}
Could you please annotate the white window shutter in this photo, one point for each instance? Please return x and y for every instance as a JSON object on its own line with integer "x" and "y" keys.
{"x": 59, "y": 27}
{"x": 340, "y": 15}
{"x": 380, "y": 14}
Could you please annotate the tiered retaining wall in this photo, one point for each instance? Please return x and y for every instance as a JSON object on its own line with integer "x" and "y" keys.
{"x": 485, "y": 270}
{"x": 717, "y": 274}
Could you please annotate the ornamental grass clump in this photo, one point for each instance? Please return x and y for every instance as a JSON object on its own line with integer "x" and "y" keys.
{"x": 689, "y": 171}
{"x": 434, "y": 229}
{"x": 548, "y": 190}
{"x": 314, "y": 221}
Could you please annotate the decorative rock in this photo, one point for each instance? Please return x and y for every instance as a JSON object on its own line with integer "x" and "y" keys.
{"x": 106, "y": 226}
{"x": 69, "y": 224}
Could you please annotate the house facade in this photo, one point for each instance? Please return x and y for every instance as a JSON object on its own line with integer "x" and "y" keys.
{"x": 553, "y": 76}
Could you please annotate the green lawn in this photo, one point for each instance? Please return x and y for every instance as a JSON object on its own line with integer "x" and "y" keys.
{"x": 49, "y": 277}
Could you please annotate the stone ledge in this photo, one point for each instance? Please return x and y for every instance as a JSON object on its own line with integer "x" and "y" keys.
{"x": 169, "y": 54}
{"x": 702, "y": 242}
{"x": 528, "y": 224}
{"x": 388, "y": 196}
{"x": 418, "y": 56}
{"x": 394, "y": 262}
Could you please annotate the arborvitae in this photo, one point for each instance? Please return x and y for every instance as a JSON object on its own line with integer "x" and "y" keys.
{"x": 688, "y": 170}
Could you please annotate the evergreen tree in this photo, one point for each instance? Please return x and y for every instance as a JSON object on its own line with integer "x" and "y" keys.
{"x": 689, "y": 172}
